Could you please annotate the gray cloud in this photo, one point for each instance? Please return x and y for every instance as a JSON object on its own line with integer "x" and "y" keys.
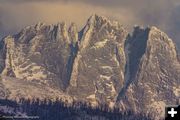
{"x": 112, "y": 3}
{"x": 173, "y": 25}
{"x": 16, "y": 14}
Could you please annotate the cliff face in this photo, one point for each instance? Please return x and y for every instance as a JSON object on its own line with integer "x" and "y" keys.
{"x": 98, "y": 71}
{"x": 39, "y": 53}
{"x": 154, "y": 71}
{"x": 101, "y": 63}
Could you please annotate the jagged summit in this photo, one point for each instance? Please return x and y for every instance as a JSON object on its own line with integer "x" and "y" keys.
{"x": 97, "y": 18}
{"x": 102, "y": 63}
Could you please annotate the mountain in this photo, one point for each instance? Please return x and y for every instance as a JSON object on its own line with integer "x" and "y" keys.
{"x": 100, "y": 64}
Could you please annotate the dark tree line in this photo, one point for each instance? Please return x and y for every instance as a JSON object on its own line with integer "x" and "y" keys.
{"x": 59, "y": 110}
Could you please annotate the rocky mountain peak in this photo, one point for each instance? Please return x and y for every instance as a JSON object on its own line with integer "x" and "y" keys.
{"x": 73, "y": 33}
{"x": 153, "y": 70}
{"x": 99, "y": 64}
{"x": 98, "y": 21}
{"x": 39, "y": 25}
{"x": 165, "y": 44}
{"x": 154, "y": 39}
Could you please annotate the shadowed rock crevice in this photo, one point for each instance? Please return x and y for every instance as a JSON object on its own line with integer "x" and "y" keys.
{"x": 74, "y": 36}
{"x": 74, "y": 50}
{"x": 135, "y": 47}
{"x": 2, "y": 56}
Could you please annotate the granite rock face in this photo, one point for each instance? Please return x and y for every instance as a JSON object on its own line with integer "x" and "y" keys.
{"x": 154, "y": 72}
{"x": 102, "y": 63}
{"x": 39, "y": 53}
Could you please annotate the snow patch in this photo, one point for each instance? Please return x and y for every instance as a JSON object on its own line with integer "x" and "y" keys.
{"x": 105, "y": 77}
{"x": 111, "y": 86}
{"x": 113, "y": 90}
{"x": 115, "y": 59}
{"x": 93, "y": 96}
{"x": 176, "y": 91}
{"x": 92, "y": 99}
{"x": 39, "y": 75}
{"x": 158, "y": 107}
{"x": 36, "y": 68}
{"x": 96, "y": 60}
{"x": 101, "y": 43}
{"x": 107, "y": 67}
{"x": 111, "y": 104}
{"x": 89, "y": 66}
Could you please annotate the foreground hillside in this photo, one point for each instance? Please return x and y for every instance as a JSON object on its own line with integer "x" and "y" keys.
{"x": 58, "y": 110}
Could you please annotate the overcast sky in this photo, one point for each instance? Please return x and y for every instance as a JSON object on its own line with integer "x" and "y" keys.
{"x": 165, "y": 14}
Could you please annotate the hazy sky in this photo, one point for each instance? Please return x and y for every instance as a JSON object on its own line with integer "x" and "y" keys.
{"x": 165, "y": 14}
